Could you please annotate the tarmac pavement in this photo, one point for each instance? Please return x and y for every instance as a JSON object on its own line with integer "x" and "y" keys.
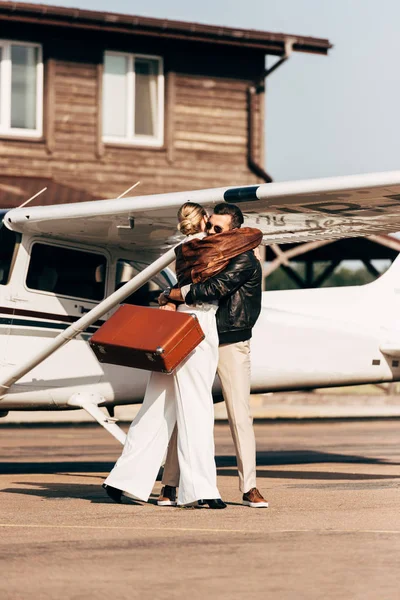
{"x": 332, "y": 529}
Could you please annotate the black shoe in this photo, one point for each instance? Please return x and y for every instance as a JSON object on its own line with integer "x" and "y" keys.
{"x": 114, "y": 493}
{"x": 167, "y": 496}
{"x": 213, "y": 503}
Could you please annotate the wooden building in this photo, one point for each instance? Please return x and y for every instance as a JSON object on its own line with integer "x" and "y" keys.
{"x": 92, "y": 102}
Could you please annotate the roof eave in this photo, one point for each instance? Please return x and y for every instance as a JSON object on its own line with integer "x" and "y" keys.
{"x": 270, "y": 43}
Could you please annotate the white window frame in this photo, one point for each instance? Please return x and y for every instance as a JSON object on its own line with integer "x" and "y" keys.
{"x": 132, "y": 138}
{"x": 5, "y": 91}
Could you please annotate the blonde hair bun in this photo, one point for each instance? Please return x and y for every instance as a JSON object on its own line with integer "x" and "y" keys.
{"x": 186, "y": 227}
{"x": 190, "y": 216}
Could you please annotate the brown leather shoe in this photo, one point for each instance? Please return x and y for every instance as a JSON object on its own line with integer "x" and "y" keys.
{"x": 167, "y": 496}
{"x": 254, "y": 499}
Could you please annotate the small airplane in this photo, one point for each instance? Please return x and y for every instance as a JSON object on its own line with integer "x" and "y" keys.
{"x": 65, "y": 269}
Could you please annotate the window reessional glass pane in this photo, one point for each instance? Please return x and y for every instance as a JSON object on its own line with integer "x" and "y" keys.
{"x": 146, "y": 96}
{"x": 146, "y": 295}
{"x": 114, "y": 95}
{"x": 24, "y": 61}
{"x": 67, "y": 272}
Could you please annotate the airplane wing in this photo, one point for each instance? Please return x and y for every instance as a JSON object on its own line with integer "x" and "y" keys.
{"x": 299, "y": 211}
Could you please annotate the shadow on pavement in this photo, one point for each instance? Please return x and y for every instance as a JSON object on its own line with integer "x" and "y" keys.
{"x": 264, "y": 459}
{"x": 226, "y": 466}
{"x": 66, "y": 491}
{"x": 34, "y": 468}
{"x": 306, "y": 475}
{"x": 96, "y": 495}
{"x": 302, "y": 457}
{"x": 63, "y": 491}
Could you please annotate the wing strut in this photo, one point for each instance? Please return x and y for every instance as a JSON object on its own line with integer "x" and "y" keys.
{"x": 88, "y": 319}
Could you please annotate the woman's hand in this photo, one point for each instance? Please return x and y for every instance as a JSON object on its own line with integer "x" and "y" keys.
{"x": 170, "y": 306}
{"x": 257, "y": 253}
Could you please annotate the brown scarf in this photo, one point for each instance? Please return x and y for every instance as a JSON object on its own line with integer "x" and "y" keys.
{"x": 199, "y": 259}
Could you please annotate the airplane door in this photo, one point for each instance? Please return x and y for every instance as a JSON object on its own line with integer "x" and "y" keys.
{"x": 58, "y": 283}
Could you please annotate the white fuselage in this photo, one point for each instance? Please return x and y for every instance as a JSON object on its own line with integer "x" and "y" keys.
{"x": 327, "y": 337}
{"x": 303, "y": 338}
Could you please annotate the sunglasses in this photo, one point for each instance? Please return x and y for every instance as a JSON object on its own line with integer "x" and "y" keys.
{"x": 217, "y": 228}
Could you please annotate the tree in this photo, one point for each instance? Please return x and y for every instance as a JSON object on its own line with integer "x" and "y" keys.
{"x": 342, "y": 276}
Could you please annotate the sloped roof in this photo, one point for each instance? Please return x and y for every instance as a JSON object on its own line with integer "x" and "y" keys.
{"x": 269, "y": 42}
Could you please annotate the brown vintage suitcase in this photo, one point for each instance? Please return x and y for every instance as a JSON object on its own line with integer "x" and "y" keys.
{"x": 147, "y": 338}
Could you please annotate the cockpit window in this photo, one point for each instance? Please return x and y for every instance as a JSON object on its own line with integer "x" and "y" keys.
{"x": 146, "y": 295}
{"x": 67, "y": 272}
{"x": 8, "y": 241}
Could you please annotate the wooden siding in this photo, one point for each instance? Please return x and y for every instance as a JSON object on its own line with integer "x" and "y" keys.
{"x": 206, "y": 143}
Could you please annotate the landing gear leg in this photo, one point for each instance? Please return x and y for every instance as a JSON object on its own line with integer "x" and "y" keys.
{"x": 111, "y": 411}
{"x": 90, "y": 403}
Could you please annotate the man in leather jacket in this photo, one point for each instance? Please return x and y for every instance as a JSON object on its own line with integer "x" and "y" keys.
{"x": 238, "y": 291}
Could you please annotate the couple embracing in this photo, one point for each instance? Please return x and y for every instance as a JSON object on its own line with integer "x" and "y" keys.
{"x": 219, "y": 279}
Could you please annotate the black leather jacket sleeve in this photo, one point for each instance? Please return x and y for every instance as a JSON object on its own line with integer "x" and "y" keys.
{"x": 239, "y": 270}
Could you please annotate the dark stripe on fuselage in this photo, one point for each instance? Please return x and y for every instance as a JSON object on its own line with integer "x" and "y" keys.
{"x": 38, "y": 324}
{"x": 40, "y": 315}
{"x": 242, "y": 194}
{"x": 49, "y": 321}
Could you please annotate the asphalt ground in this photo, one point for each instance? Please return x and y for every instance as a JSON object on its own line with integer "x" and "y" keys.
{"x": 332, "y": 529}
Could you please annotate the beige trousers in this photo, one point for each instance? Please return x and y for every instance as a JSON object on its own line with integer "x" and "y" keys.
{"x": 234, "y": 373}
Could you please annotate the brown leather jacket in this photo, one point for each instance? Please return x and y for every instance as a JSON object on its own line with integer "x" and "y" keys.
{"x": 199, "y": 259}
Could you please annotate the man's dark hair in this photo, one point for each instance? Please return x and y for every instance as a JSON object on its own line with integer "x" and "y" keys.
{"x": 230, "y": 209}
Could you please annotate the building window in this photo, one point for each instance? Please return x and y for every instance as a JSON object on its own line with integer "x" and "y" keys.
{"x": 133, "y": 99}
{"x": 21, "y": 89}
{"x": 67, "y": 272}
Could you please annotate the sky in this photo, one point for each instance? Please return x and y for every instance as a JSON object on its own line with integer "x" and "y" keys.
{"x": 325, "y": 115}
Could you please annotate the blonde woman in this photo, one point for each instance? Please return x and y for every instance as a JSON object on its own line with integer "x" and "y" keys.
{"x": 184, "y": 398}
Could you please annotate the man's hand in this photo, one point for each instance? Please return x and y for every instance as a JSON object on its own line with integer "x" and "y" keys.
{"x": 162, "y": 299}
{"x": 173, "y": 296}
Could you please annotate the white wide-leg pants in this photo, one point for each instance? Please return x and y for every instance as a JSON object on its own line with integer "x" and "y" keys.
{"x": 184, "y": 398}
